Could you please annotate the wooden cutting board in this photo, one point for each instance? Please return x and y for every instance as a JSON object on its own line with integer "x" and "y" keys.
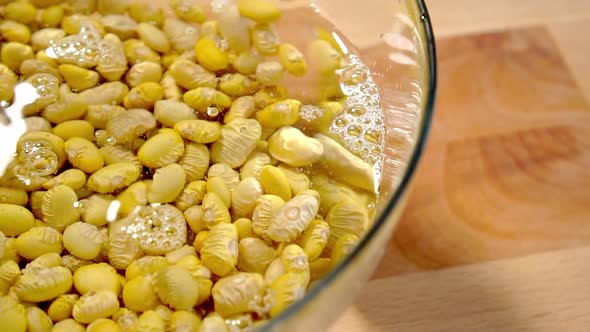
{"x": 496, "y": 235}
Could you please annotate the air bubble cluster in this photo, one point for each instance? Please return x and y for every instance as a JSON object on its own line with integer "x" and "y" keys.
{"x": 360, "y": 125}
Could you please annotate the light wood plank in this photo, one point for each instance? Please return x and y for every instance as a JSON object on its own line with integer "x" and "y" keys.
{"x": 572, "y": 40}
{"x": 460, "y": 17}
{"x": 546, "y": 292}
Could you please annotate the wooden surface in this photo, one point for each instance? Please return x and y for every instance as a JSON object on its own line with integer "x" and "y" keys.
{"x": 496, "y": 234}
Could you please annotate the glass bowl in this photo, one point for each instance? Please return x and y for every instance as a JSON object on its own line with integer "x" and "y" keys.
{"x": 394, "y": 39}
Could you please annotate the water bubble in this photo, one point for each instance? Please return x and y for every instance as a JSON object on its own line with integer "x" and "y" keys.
{"x": 340, "y": 122}
{"x": 373, "y": 136}
{"x": 354, "y": 130}
{"x": 212, "y": 111}
{"x": 111, "y": 140}
{"x": 40, "y": 162}
{"x": 356, "y": 110}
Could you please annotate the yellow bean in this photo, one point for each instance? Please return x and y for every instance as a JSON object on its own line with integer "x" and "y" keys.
{"x": 345, "y": 165}
{"x": 185, "y": 321}
{"x": 279, "y": 114}
{"x": 50, "y": 259}
{"x": 244, "y": 226}
{"x": 38, "y": 241}
{"x": 319, "y": 268}
{"x": 188, "y": 10}
{"x": 139, "y": 295}
{"x": 146, "y": 266}
{"x": 262, "y": 11}
{"x": 15, "y": 219}
{"x": 68, "y": 325}
{"x": 292, "y": 59}
{"x": 12, "y": 315}
{"x": 269, "y": 95}
{"x": 70, "y": 107}
{"x": 74, "y": 128}
{"x": 238, "y": 293}
{"x": 346, "y": 218}
{"x": 293, "y": 147}
{"x": 103, "y": 325}
{"x": 83, "y": 240}
{"x": 133, "y": 197}
{"x": 266, "y": 208}
{"x": 99, "y": 115}
{"x": 213, "y": 322}
{"x": 73, "y": 178}
{"x": 153, "y": 37}
{"x": 333, "y": 192}
{"x": 37, "y": 123}
{"x": 176, "y": 287}
{"x": 60, "y": 207}
{"x": 146, "y": 12}
{"x": 237, "y": 85}
{"x": 9, "y": 273}
{"x": 163, "y": 149}
{"x": 255, "y": 255}
{"x": 121, "y": 25}
{"x": 218, "y": 186}
{"x": 244, "y": 197}
{"x": 144, "y": 95}
{"x": 51, "y": 16}
{"x": 23, "y": 12}
{"x": 237, "y": 141}
{"x": 315, "y": 239}
{"x": 194, "y": 218}
{"x": 167, "y": 184}
{"x": 114, "y": 66}
{"x": 246, "y": 62}
{"x": 199, "y": 240}
{"x": 111, "y": 6}
{"x": 171, "y": 90}
{"x": 61, "y": 308}
{"x": 37, "y": 320}
{"x": 113, "y": 154}
{"x": 95, "y": 305}
{"x": 43, "y": 285}
{"x": 195, "y": 161}
{"x": 13, "y": 196}
{"x": 191, "y": 195}
{"x": 31, "y": 67}
{"x": 203, "y": 99}
{"x": 127, "y": 126}
{"x": 214, "y": 210}
{"x": 74, "y": 263}
{"x": 286, "y": 290}
{"x": 190, "y": 76}
{"x": 150, "y": 321}
{"x": 299, "y": 181}
{"x": 253, "y": 166}
{"x": 294, "y": 217}
{"x": 79, "y": 78}
{"x": 95, "y": 209}
{"x": 126, "y": 319}
{"x": 343, "y": 248}
{"x": 83, "y": 155}
{"x": 210, "y": 56}
{"x": 182, "y": 35}
{"x": 97, "y": 277}
{"x": 175, "y": 256}
{"x": 220, "y": 249}
{"x": 269, "y": 73}
{"x": 15, "y": 32}
{"x": 198, "y": 131}
{"x": 225, "y": 172}
{"x": 113, "y": 177}
{"x": 274, "y": 182}
{"x": 107, "y": 93}
{"x": 171, "y": 112}
{"x": 144, "y": 72}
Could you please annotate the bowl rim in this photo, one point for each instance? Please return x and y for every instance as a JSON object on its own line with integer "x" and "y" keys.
{"x": 400, "y": 190}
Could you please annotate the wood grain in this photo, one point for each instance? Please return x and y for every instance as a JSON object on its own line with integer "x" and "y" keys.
{"x": 521, "y": 294}
{"x": 462, "y": 17}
